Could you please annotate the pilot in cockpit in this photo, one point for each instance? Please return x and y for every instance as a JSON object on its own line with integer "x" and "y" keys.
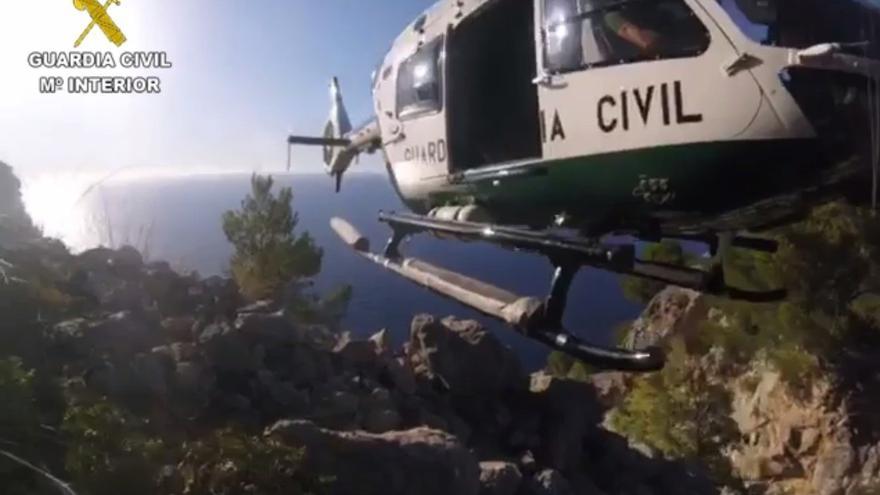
{"x": 583, "y": 33}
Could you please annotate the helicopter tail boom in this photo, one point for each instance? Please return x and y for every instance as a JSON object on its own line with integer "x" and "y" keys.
{"x": 341, "y": 142}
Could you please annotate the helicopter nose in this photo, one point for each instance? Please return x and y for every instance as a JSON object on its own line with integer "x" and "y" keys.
{"x": 843, "y": 109}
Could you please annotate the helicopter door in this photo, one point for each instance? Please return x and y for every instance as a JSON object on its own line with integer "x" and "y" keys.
{"x": 493, "y": 105}
{"x": 617, "y": 75}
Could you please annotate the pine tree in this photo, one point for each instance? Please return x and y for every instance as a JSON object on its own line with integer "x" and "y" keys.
{"x": 268, "y": 253}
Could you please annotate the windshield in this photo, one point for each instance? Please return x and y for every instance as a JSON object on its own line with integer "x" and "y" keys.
{"x": 803, "y": 23}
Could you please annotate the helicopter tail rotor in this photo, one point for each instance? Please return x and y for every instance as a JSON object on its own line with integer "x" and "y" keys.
{"x": 337, "y": 159}
{"x": 340, "y": 142}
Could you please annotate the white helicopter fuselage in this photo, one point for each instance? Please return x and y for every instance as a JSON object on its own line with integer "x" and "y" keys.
{"x": 544, "y": 125}
{"x": 681, "y": 133}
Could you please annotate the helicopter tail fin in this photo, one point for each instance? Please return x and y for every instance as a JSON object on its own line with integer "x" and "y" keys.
{"x": 340, "y": 142}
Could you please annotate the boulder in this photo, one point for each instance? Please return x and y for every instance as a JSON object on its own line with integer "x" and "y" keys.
{"x": 123, "y": 261}
{"x": 302, "y": 365}
{"x": 127, "y": 261}
{"x": 499, "y": 478}
{"x": 141, "y": 383}
{"x": 182, "y": 351}
{"x": 95, "y": 260}
{"x": 120, "y": 334}
{"x": 226, "y": 349}
{"x": 399, "y": 375}
{"x": 569, "y": 410}
{"x": 423, "y": 461}
{"x": 267, "y": 328}
{"x": 169, "y": 290}
{"x": 265, "y": 306}
{"x": 317, "y": 336}
{"x": 380, "y": 411}
{"x": 111, "y": 291}
{"x": 381, "y": 420}
{"x": 785, "y": 431}
{"x": 356, "y": 353}
{"x": 220, "y": 296}
{"x": 179, "y": 328}
{"x": 611, "y": 387}
{"x": 833, "y": 466}
{"x": 381, "y": 341}
{"x": 193, "y": 383}
{"x": 463, "y": 356}
{"x": 105, "y": 378}
{"x": 292, "y": 400}
{"x": 335, "y": 407}
{"x": 548, "y": 482}
{"x": 153, "y": 370}
{"x": 673, "y": 311}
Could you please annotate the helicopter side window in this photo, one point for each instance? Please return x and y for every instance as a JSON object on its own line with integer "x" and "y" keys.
{"x": 419, "y": 82}
{"x": 580, "y": 34}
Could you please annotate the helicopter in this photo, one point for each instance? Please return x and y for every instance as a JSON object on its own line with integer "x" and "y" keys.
{"x": 556, "y": 126}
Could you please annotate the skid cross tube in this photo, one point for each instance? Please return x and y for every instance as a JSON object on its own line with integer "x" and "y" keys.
{"x": 557, "y": 299}
{"x": 392, "y": 247}
{"x": 581, "y": 251}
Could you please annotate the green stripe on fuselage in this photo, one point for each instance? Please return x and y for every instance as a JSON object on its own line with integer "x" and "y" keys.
{"x": 695, "y": 179}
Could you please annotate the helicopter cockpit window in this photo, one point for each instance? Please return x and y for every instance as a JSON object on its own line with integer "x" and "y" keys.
{"x": 580, "y": 34}
{"x": 419, "y": 82}
{"x": 754, "y": 17}
{"x": 804, "y": 23}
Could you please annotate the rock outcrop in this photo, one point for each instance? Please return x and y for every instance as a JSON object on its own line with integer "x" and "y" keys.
{"x": 451, "y": 411}
{"x": 16, "y": 227}
{"x": 788, "y": 439}
{"x": 420, "y": 460}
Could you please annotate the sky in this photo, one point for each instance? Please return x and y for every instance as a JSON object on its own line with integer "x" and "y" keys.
{"x": 245, "y": 73}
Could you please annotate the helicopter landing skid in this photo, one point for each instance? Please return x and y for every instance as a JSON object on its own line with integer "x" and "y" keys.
{"x": 538, "y": 319}
{"x": 569, "y": 253}
{"x": 530, "y": 316}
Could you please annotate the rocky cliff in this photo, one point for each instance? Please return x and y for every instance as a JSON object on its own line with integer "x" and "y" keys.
{"x": 813, "y": 435}
{"x": 15, "y": 224}
{"x": 116, "y": 371}
{"x": 451, "y": 411}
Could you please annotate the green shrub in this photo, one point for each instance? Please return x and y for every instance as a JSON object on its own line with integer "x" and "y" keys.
{"x": 679, "y": 412}
{"x": 108, "y": 448}
{"x": 797, "y": 367}
{"x": 230, "y": 462}
{"x": 268, "y": 254}
{"x": 19, "y": 419}
{"x": 327, "y": 310}
{"x": 25, "y": 449}
{"x": 559, "y": 364}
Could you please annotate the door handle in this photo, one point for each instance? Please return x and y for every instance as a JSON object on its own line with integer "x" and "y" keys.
{"x": 550, "y": 81}
{"x": 398, "y": 137}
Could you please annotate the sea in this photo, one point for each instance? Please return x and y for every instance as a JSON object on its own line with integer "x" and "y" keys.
{"x": 178, "y": 219}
